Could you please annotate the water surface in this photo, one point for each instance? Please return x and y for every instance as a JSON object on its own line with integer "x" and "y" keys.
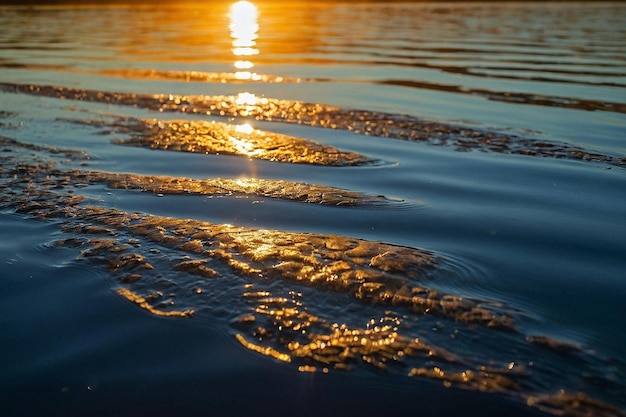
{"x": 313, "y": 208}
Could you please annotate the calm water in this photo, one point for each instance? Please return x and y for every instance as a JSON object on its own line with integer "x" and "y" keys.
{"x": 472, "y": 261}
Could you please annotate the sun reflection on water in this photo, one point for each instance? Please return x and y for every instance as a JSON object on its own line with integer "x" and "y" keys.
{"x": 246, "y": 99}
{"x": 243, "y": 31}
{"x": 243, "y": 147}
{"x": 242, "y": 143}
{"x": 244, "y": 128}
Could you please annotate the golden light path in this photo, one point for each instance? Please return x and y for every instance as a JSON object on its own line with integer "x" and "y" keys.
{"x": 243, "y": 31}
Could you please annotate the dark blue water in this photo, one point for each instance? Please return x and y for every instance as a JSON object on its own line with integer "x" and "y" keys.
{"x": 514, "y": 180}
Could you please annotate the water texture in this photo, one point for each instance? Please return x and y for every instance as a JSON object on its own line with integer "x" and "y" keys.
{"x": 284, "y": 209}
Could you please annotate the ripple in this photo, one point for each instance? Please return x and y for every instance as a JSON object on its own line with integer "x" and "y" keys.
{"x": 241, "y": 140}
{"x": 197, "y": 76}
{"x": 519, "y": 97}
{"x": 540, "y": 74}
{"x": 266, "y": 283}
{"x": 279, "y": 189}
{"x": 319, "y": 115}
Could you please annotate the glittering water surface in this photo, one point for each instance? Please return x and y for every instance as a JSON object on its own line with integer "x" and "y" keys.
{"x": 301, "y": 209}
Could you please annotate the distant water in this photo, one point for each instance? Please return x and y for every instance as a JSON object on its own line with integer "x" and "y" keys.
{"x": 297, "y": 209}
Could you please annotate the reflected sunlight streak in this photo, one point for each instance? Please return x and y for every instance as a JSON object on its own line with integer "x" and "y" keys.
{"x": 242, "y": 145}
{"x": 244, "y": 128}
{"x": 246, "y": 99}
{"x": 243, "y": 31}
{"x": 243, "y": 64}
{"x": 246, "y": 76}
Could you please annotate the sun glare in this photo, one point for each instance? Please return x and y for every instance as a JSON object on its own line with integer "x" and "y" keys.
{"x": 244, "y": 128}
{"x": 243, "y": 65}
{"x": 243, "y": 147}
{"x": 245, "y": 75}
{"x": 246, "y": 99}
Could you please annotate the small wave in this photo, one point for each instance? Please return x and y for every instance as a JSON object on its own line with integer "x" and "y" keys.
{"x": 241, "y": 140}
{"x": 314, "y": 114}
{"x": 517, "y": 97}
{"x": 279, "y": 189}
{"x": 538, "y": 75}
{"x": 198, "y": 76}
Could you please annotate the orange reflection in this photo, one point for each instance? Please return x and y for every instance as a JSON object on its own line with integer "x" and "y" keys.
{"x": 243, "y": 31}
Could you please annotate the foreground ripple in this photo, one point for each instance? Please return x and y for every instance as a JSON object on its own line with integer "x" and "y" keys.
{"x": 268, "y": 283}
